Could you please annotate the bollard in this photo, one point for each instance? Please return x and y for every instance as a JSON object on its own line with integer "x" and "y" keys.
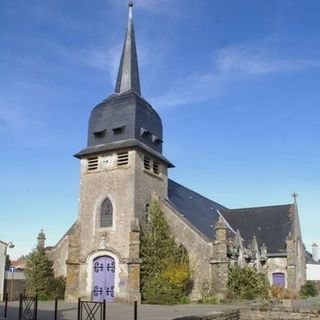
{"x": 104, "y": 310}
{"x": 6, "y": 305}
{"x": 56, "y": 309}
{"x": 20, "y": 306}
{"x": 79, "y": 301}
{"x": 35, "y": 310}
{"x": 135, "y": 310}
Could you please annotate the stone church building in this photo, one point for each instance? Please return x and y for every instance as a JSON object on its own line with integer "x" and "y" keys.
{"x": 121, "y": 170}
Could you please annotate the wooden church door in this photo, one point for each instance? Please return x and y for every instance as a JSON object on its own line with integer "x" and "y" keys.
{"x": 103, "y": 279}
{"x": 278, "y": 279}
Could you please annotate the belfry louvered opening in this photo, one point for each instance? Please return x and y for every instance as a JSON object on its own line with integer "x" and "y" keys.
{"x": 146, "y": 163}
{"x": 93, "y": 163}
{"x": 122, "y": 158}
{"x": 155, "y": 167}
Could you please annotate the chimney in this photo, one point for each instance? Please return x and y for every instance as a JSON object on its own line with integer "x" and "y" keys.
{"x": 315, "y": 255}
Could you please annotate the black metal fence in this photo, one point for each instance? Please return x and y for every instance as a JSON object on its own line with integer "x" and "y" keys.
{"x": 28, "y": 308}
{"x": 87, "y": 310}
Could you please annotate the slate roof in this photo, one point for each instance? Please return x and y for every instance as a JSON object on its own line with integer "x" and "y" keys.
{"x": 271, "y": 225}
{"x": 125, "y": 116}
{"x": 128, "y": 74}
{"x": 92, "y": 150}
{"x": 309, "y": 258}
{"x": 200, "y": 211}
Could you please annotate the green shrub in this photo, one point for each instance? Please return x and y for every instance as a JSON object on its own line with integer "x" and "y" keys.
{"x": 208, "y": 292}
{"x": 248, "y": 295}
{"x": 247, "y": 283}
{"x": 40, "y": 279}
{"x": 165, "y": 274}
{"x": 308, "y": 290}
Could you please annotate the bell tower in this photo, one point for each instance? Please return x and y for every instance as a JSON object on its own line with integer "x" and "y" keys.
{"x": 121, "y": 167}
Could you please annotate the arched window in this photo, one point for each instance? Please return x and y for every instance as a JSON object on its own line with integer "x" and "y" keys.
{"x": 106, "y": 216}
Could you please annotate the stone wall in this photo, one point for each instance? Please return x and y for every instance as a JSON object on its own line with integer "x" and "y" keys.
{"x": 275, "y": 265}
{"x": 58, "y": 255}
{"x": 227, "y": 315}
{"x": 279, "y": 315}
{"x": 198, "y": 246}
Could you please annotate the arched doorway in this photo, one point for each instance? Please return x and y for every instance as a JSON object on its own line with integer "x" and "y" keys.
{"x": 103, "y": 279}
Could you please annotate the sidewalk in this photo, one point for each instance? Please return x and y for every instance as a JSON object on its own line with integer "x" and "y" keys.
{"x": 115, "y": 311}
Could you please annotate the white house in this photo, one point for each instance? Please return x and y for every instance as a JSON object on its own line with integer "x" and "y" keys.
{"x": 3, "y": 252}
{"x": 313, "y": 264}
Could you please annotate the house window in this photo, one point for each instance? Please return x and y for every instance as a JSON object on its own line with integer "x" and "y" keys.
{"x": 122, "y": 158}
{"x": 278, "y": 279}
{"x": 146, "y": 163}
{"x": 155, "y": 167}
{"x": 118, "y": 131}
{"x": 106, "y": 215}
{"x": 93, "y": 163}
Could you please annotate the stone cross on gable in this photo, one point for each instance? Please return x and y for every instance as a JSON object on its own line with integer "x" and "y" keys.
{"x": 295, "y": 195}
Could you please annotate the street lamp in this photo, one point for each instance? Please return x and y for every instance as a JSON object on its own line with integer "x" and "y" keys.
{"x": 10, "y": 245}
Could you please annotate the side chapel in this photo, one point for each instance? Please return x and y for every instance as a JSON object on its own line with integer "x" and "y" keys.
{"x": 121, "y": 170}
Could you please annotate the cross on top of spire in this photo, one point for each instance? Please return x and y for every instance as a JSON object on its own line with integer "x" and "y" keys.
{"x": 128, "y": 74}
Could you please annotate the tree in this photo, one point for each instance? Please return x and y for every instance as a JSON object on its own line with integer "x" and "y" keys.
{"x": 165, "y": 265}
{"x": 8, "y": 262}
{"x": 40, "y": 279}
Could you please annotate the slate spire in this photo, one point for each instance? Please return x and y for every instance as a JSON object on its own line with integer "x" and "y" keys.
{"x": 128, "y": 74}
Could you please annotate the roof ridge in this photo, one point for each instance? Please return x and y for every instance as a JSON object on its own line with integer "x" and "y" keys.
{"x": 260, "y": 207}
{"x": 197, "y": 193}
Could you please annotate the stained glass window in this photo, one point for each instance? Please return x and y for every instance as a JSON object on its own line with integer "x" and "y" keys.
{"x": 106, "y": 214}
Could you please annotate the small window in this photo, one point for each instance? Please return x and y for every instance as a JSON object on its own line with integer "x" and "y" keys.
{"x": 155, "y": 167}
{"x": 144, "y": 132}
{"x": 123, "y": 158}
{"x": 118, "y": 131}
{"x": 100, "y": 134}
{"x": 146, "y": 163}
{"x": 146, "y": 214}
{"x": 156, "y": 140}
{"x": 93, "y": 163}
{"x": 106, "y": 216}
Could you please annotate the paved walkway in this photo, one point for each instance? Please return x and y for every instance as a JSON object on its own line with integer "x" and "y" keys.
{"x": 115, "y": 311}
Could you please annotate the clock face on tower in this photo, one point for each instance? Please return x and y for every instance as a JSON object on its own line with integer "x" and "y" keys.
{"x": 108, "y": 161}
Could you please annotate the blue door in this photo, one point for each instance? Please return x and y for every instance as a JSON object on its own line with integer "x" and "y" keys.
{"x": 278, "y": 279}
{"x": 103, "y": 279}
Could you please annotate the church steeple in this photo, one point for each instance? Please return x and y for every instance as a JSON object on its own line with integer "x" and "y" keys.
{"x": 128, "y": 74}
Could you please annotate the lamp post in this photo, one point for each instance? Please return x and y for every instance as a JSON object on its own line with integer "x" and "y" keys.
{"x": 10, "y": 245}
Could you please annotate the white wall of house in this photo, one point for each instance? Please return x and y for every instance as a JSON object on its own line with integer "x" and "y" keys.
{"x": 313, "y": 271}
{"x": 3, "y": 247}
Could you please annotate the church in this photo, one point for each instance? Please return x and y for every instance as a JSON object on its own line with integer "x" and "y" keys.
{"x": 122, "y": 169}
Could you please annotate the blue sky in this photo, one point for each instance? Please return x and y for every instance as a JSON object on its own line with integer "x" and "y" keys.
{"x": 235, "y": 82}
